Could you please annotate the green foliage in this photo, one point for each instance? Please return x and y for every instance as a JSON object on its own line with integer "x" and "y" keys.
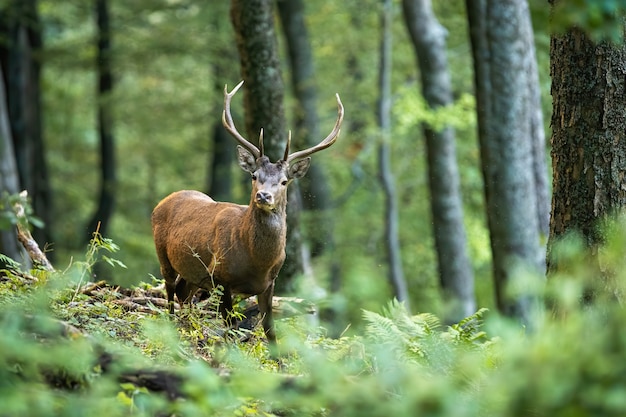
{"x": 600, "y": 19}
{"x": 52, "y": 341}
{"x": 9, "y": 219}
{"x": 411, "y": 110}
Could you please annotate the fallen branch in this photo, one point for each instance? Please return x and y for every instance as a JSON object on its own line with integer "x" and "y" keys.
{"x": 26, "y": 239}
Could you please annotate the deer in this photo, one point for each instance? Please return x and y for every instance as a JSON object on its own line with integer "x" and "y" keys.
{"x": 201, "y": 243}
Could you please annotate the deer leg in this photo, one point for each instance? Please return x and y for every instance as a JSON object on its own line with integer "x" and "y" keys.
{"x": 182, "y": 290}
{"x": 169, "y": 275}
{"x": 226, "y": 306}
{"x": 170, "y": 289}
{"x": 265, "y": 308}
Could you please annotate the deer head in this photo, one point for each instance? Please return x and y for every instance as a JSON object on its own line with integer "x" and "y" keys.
{"x": 270, "y": 180}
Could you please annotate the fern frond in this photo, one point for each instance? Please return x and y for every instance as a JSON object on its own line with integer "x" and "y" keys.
{"x": 9, "y": 263}
{"x": 469, "y": 329}
{"x": 380, "y": 328}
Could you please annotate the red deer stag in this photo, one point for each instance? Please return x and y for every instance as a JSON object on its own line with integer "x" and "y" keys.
{"x": 202, "y": 243}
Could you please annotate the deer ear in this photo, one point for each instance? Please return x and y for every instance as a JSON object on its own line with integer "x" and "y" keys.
{"x": 299, "y": 169}
{"x": 246, "y": 160}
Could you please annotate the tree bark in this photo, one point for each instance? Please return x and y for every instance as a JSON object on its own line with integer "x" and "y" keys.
{"x": 314, "y": 186}
{"x": 501, "y": 45}
{"x": 392, "y": 240}
{"x": 9, "y": 183}
{"x": 253, "y": 21}
{"x": 21, "y": 28}
{"x": 455, "y": 270}
{"x": 588, "y": 137}
{"x": 108, "y": 178}
{"x": 220, "y": 182}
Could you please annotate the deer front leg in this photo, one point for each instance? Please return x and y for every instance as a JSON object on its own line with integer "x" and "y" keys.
{"x": 265, "y": 308}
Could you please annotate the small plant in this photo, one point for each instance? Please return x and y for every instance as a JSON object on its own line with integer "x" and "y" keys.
{"x": 97, "y": 244}
{"x": 8, "y": 217}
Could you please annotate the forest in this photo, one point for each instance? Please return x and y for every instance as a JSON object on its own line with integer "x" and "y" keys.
{"x": 456, "y": 246}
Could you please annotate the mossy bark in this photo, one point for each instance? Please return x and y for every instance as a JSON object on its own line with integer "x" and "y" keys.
{"x": 253, "y": 21}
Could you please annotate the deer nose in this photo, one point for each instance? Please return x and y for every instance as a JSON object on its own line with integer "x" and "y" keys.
{"x": 264, "y": 197}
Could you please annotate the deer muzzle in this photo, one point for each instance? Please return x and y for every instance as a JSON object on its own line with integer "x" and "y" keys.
{"x": 264, "y": 200}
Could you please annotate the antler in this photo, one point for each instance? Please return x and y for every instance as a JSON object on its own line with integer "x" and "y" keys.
{"x": 227, "y": 120}
{"x": 330, "y": 139}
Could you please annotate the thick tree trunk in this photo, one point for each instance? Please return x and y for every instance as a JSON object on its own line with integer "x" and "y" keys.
{"x": 588, "y": 136}
{"x": 314, "y": 186}
{"x": 455, "y": 270}
{"x": 253, "y": 21}
{"x": 392, "y": 240}
{"x": 21, "y": 28}
{"x": 501, "y": 44}
{"x": 108, "y": 181}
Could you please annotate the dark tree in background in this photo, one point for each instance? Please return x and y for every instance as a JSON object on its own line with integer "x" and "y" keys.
{"x": 455, "y": 270}
{"x": 502, "y": 46}
{"x": 108, "y": 181}
{"x": 20, "y": 59}
{"x": 222, "y": 158}
{"x": 220, "y": 182}
{"x": 9, "y": 183}
{"x": 588, "y": 137}
{"x": 253, "y": 21}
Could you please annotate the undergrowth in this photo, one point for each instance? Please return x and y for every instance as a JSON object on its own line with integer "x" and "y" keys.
{"x": 73, "y": 347}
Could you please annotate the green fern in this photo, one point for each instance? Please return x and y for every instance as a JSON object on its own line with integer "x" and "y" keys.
{"x": 399, "y": 331}
{"x": 468, "y": 330}
{"x": 419, "y": 337}
{"x": 9, "y": 263}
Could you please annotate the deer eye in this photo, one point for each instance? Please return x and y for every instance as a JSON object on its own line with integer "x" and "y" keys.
{"x": 253, "y": 177}
{"x": 285, "y": 182}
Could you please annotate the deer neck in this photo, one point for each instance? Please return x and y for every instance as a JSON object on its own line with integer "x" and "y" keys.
{"x": 266, "y": 231}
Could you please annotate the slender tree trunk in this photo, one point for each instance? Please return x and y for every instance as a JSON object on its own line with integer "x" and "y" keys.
{"x": 392, "y": 240}
{"x": 220, "y": 182}
{"x": 21, "y": 28}
{"x": 314, "y": 186}
{"x": 501, "y": 44}
{"x": 455, "y": 270}
{"x": 9, "y": 183}
{"x": 253, "y": 21}
{"x": 588, "y": 137}
{"x": 108, "y": 180}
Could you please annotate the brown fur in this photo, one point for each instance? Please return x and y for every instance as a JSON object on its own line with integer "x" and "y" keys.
{"x": 201, "y": 243}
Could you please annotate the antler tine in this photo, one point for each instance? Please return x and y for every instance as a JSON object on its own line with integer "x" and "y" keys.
{"x": 328, "y": 141}
{"x": 286, "y": 157}
{"x": 227, "y": 120}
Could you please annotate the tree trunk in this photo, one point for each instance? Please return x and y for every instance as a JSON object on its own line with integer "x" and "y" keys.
{"x": 108, "y": 181}
{"x": 9, "y": 183}
{"x": 588, "y": 136}
{"x": 253, "y": 21}
{"x": 455, "y": 270}
{"x": 314, "y": 186}
{"x": 392, "y": 240}
{"x": 220, "y": 182}
{"x": 21, "y": 31}
{"x": 502, "y": 47}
